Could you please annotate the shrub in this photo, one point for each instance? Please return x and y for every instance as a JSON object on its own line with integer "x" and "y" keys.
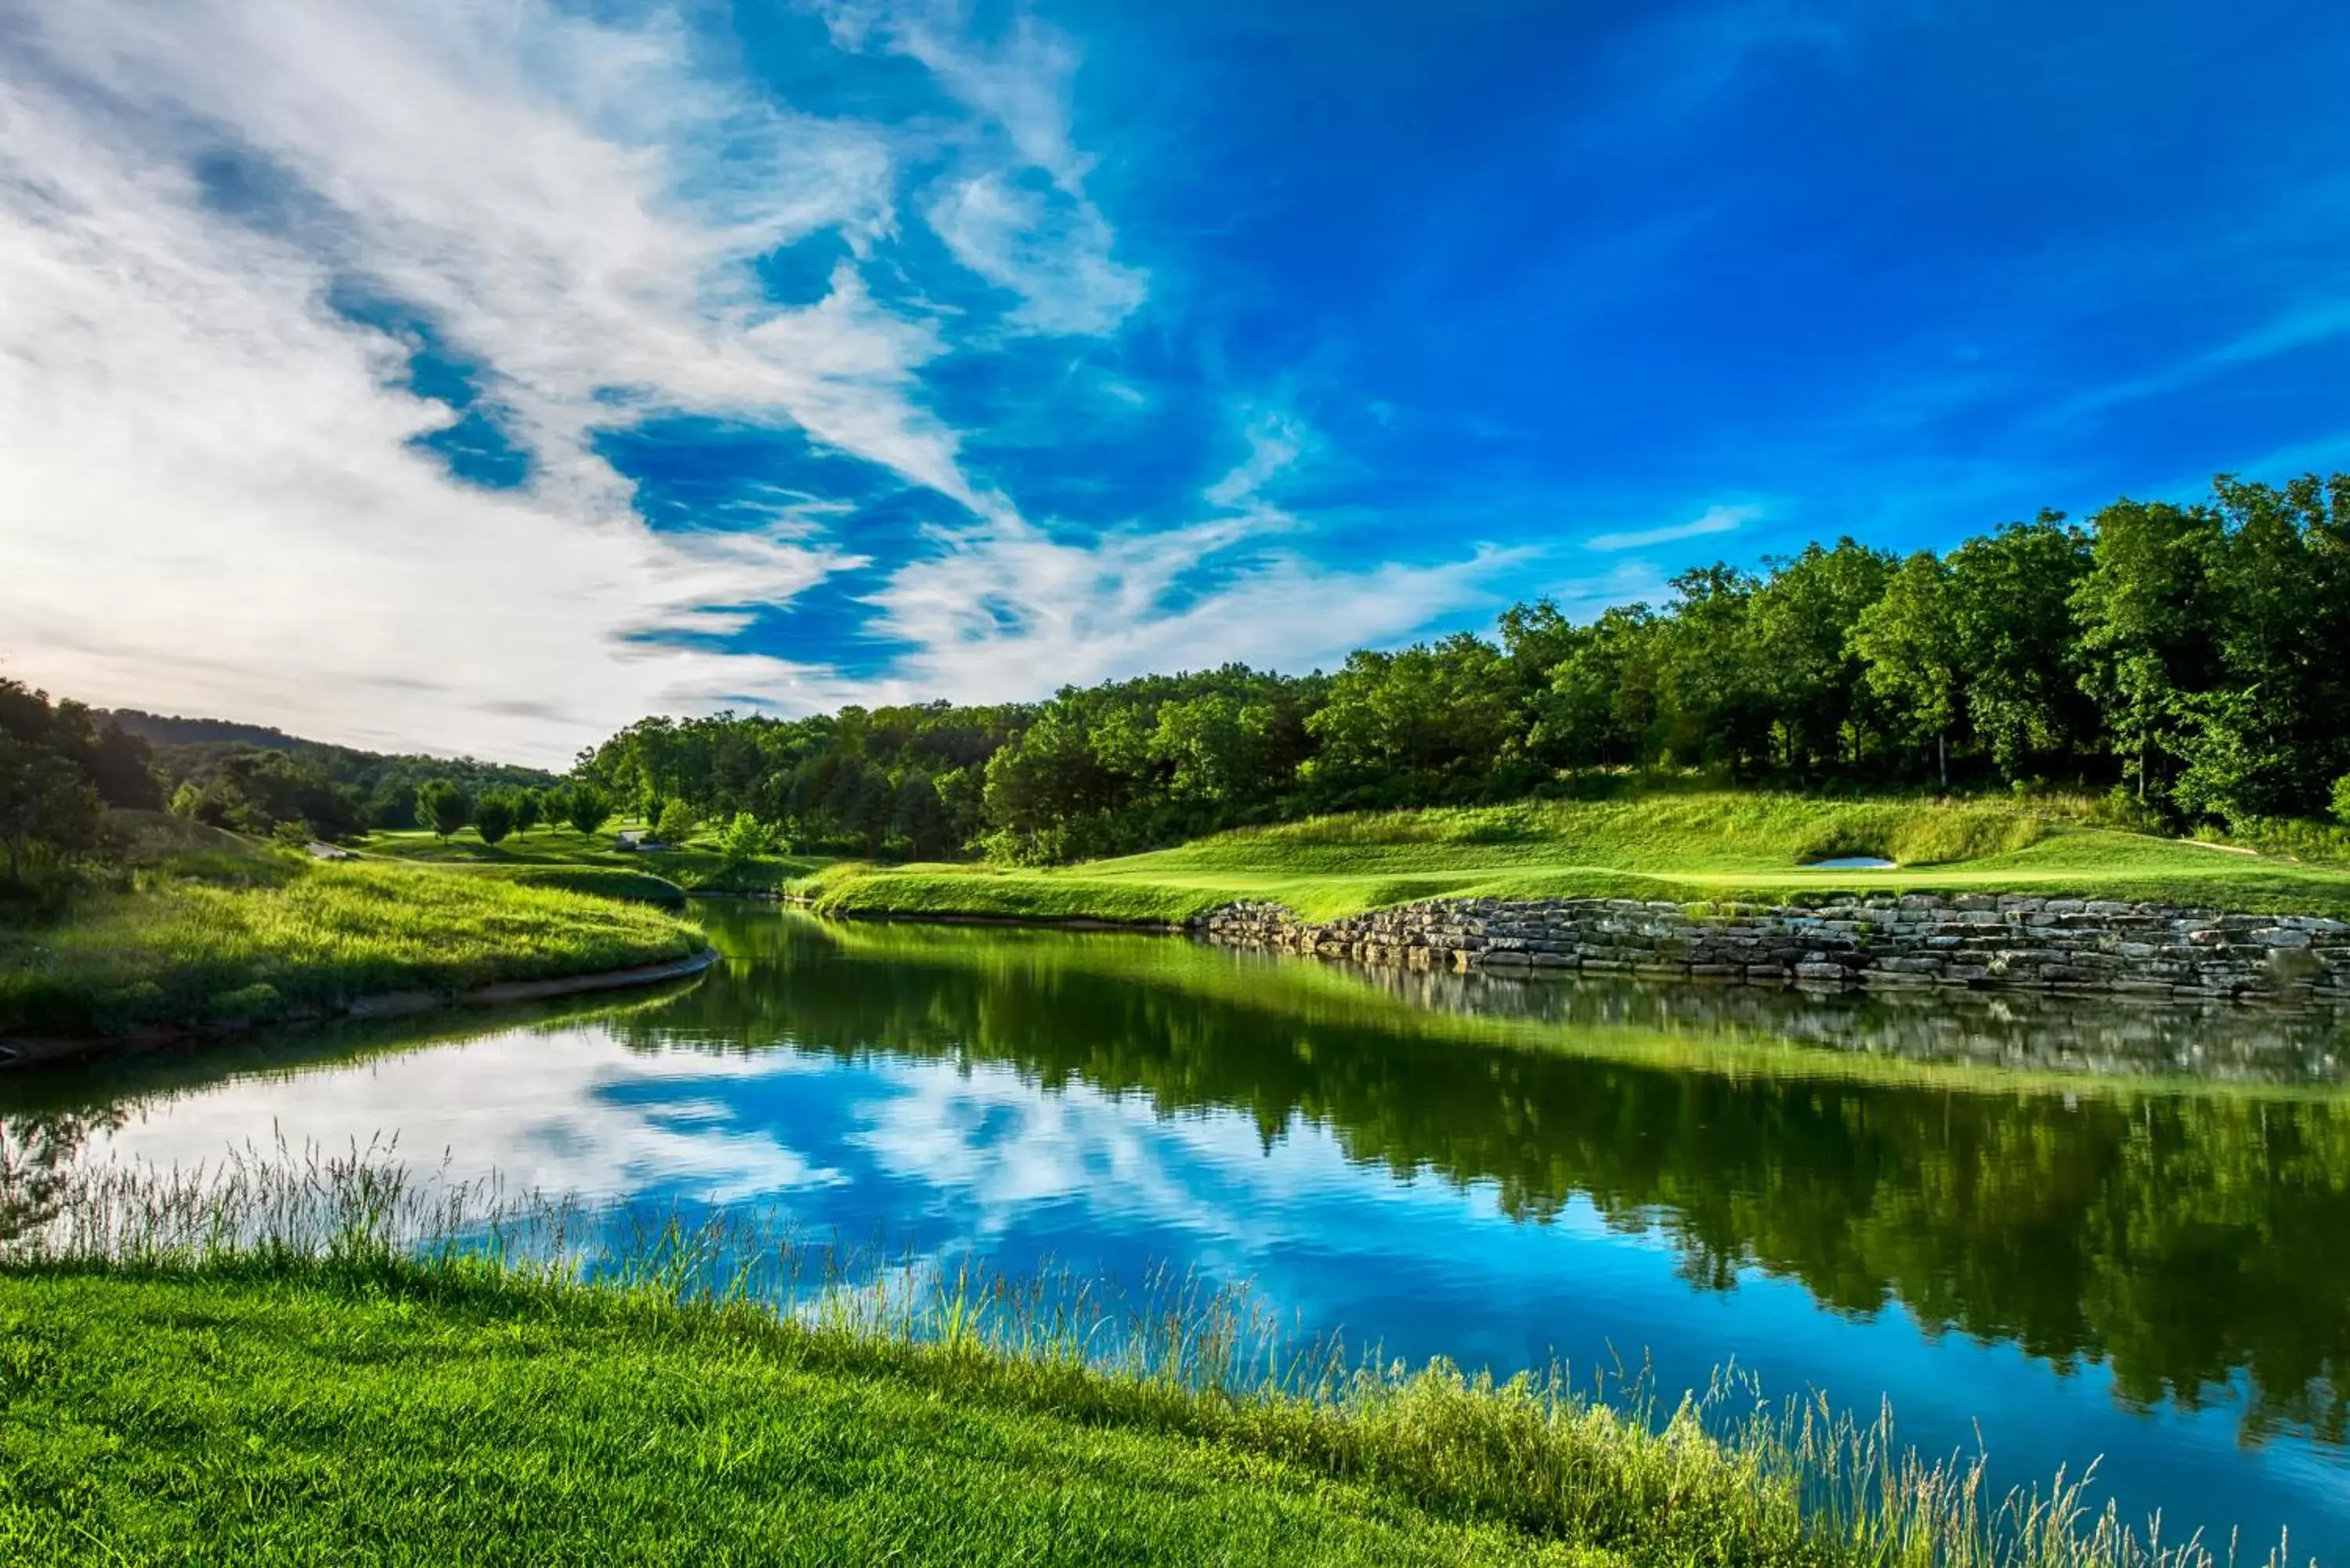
{"x": 2342, "y": 800}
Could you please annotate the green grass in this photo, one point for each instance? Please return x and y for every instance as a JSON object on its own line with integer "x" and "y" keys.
{"x": 260, "y": 937}
{"x": 1685, "y": 847}
{"x": 692, "y": 867}
{"x": 321, "y": 1417}
{"x": 313, "y": 1363}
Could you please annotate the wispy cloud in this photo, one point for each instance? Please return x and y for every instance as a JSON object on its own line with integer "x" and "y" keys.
{"x": 1013, "y": 209}
{"x": 214, "y": 499}
{"x": 1715, "y": 520}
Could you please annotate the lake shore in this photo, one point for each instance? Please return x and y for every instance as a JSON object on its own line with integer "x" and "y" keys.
{"x": 447, "y": 1401}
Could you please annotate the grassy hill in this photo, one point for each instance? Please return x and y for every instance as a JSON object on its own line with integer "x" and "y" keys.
{"x": 1685, "y": 847}
{"x": 211, "y": 931}
{"x": 545, "y": 852}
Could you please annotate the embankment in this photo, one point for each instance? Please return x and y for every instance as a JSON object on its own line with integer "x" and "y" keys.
{"x": 1978, "y": 940}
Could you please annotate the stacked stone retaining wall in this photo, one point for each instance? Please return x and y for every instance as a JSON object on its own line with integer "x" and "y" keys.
{"x": 1973, "y": 940}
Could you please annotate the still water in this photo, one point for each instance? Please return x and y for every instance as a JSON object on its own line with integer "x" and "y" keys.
{"x": 2066, "y": 1232}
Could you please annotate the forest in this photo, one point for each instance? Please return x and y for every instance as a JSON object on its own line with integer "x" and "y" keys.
{"x": 2186, "y": 661}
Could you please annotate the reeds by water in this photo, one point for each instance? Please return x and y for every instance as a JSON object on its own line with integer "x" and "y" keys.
{"x": 1723, "y": 1474}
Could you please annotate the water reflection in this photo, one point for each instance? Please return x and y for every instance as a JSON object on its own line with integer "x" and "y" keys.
{"x": 1486, "y": 1166}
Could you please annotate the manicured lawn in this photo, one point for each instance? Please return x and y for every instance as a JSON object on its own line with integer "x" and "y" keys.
{"x": 265, "y": 937}
{"x": 1684, "y": 848}
{"x": 692, "y": 867}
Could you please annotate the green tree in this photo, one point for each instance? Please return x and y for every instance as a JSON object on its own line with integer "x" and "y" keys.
{"x": 918, "y": 826}
{"x": 442, "y": 807}
{"x": 48, "y": 807}
{"x": 2144, "y": 610}
{"x": 676, "y": 822}
{"x": 2342, "y": 800}
{"x": 1801, "y": 622}
{"x": 587, "y": 808}
{"x": 555, "y": 806}
{"x": 526, "y": 810}
{"x": 1908, "y": 645}
{"x": 746, "y": 837}
{"x": 2012, "y": 592}
{"x": 493, "y": 817}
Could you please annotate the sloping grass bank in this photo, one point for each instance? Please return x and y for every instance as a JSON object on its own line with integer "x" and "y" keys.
{"x": 556, "y": 852}
{"x": 279, "y": 1367}
{"x": 264, "y": 937}
{"x": 1683, "y": 847}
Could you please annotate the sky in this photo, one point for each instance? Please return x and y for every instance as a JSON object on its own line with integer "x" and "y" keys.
{"x": 483, "y": 375}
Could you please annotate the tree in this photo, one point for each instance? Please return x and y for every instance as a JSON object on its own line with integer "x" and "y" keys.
{"x": 1809, "y": 678}
{"x": 589, "y": 807}
{"x": 2011, "y": 596}
{"x": 442, "y": 807}
{"x": 47, "y": 806}
{"x": 493, "y": 818}
{"x": 2144, "y": 617}
{"x": 1907, "y": 644}
{"x": 555, "y": 806}
{"x": 746, "y": 837}
{"x": 526, "y": 810}
{"x": 918, "y": 818}
{"x": 2342, "y": 800}
{"x": 676, "y": 822}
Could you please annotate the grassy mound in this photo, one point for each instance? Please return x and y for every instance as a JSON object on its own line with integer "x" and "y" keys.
{"x": 1720, "y": 844}
{"x": 238, "y": 940}
{"x": 694, "y": 869}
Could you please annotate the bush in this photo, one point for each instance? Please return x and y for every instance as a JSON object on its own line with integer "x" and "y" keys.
{"x": 2342, "y": 800}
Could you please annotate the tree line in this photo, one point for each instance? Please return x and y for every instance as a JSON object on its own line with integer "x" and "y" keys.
{"x": 2190, "y": 659}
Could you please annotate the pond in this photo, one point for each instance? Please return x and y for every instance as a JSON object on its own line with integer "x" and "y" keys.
{"x": 2079, "y": 1231}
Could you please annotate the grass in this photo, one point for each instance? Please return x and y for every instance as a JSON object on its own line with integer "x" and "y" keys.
{"x": 1684, "y": 848}
{"x": 227, "y": 941}
{"x": 695, "y": 867}
{"x": 279, "y": 1364}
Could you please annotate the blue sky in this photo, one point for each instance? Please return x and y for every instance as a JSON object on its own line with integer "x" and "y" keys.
{"x": 484, "y": 375}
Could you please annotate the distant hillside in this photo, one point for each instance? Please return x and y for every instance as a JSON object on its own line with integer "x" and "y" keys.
{"x": 156, "y": 729}
{"x": 195, "y": 740}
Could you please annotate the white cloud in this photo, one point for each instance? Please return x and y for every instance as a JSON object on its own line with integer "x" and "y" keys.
{"x": 1714, "y": 520}
{"x": 210, "y": 500}
{"x": 1010, "y": 611}
{"x": 1276, "y": 443}
{"x": 1016, "y": 211}
{"x": 210, "y": 497}
{"x": 1049, "y": 248}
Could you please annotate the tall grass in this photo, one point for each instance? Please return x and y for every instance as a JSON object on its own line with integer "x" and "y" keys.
{"x": 1719, "y": 1475}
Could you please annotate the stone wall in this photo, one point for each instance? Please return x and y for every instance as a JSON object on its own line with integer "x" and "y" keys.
{"x": 1973, "y": 940}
